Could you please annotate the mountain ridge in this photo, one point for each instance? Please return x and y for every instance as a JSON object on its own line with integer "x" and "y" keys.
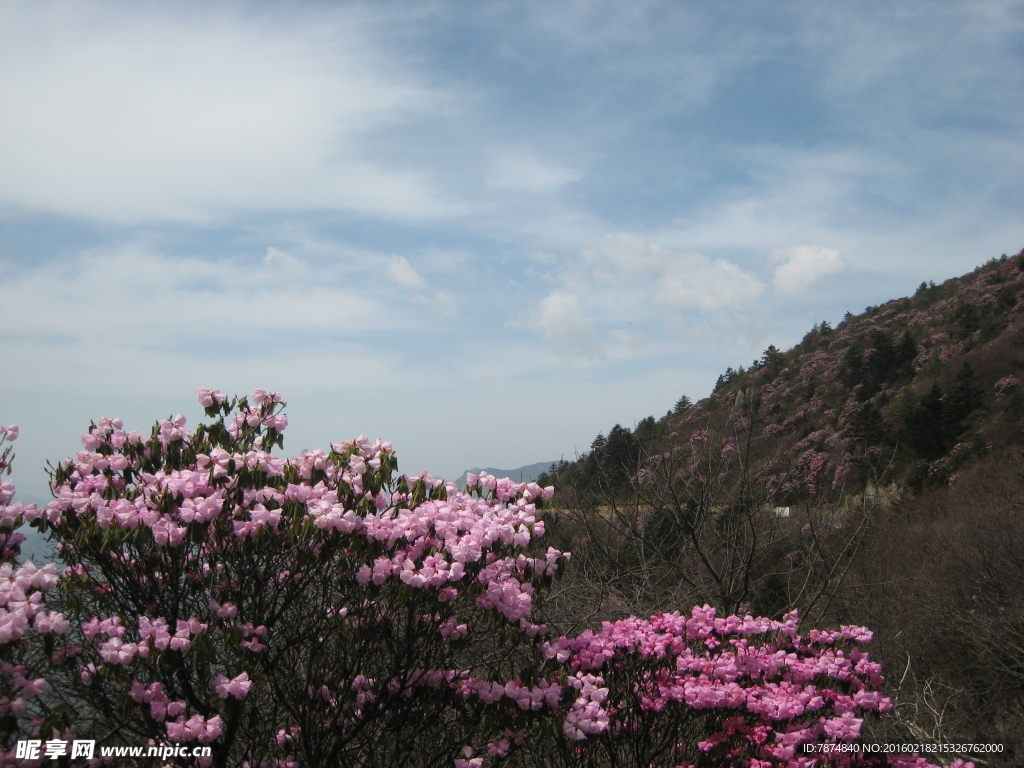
{"x": 929, "y": 382}
{"x": 525, "y": 474}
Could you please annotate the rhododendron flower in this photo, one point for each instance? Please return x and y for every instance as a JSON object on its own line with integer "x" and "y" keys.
{"x": 52, "y": 621}
{"x": 209, "y": 397}
{"x": 116, "y": 651}
{"x": 237, "y": 686}
{"x": 467, "y": 760}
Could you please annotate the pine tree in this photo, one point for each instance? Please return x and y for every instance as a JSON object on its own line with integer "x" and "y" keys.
{"x": 964, "y": 398}
{"x": 772, "y": 358}
{"x": 924, "y": 428}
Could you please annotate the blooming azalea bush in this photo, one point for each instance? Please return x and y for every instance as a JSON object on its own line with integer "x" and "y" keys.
{"x": 315, "y": 608}
{"x": 703, "y": 690}
{"x": 28, "y": 628}
{"x": 1006, "y": 385}
{"x": 324, "y": 610}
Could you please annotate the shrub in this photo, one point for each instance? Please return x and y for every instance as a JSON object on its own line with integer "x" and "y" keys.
{"x": 322, "y": 610}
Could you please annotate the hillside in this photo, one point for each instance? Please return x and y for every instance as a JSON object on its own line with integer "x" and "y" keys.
{"x": 870, "y": 475}
{"x": 911, "y": 392}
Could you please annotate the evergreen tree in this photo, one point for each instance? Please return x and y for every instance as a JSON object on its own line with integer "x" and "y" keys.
{"x": 925, "y": 425}
{"x": 965, "y": 397}
{"x": 906, "y": 352}
{"x": 683, "y": 404}
{"x": 646, "y": 431}
{"x": 868, "y": 428}
{"x": 618, "y": 459}
{"x": 772, "y": 357}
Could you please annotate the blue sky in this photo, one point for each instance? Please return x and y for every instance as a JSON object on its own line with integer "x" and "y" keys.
{"x": 484, "y": 231}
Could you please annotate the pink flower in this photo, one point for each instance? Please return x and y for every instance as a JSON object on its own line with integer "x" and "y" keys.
{"x": 1005, "y": 384}
{"x": 34, "y": 688}
{"x": 226, "y": 611}
{"x": 51, "y": 622}
{"x": 845, "y": 728}
{"x": 91, "y": 627}
{"x": 237, "y": 686}
{"x": 116, "y": 651}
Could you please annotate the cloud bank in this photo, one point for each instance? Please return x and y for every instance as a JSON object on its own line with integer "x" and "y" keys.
{"x": 156, "y": 112}
{"x": 627, "y": 280}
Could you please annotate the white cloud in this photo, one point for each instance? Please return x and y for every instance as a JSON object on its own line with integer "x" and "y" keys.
{"x": 804, "y": 267}
{"x": 562, "y": 318}
{"x": 675, "y": 279}
{"x": 401, "y": 272}
{"x": 284, "y": 262}
{"x": 444, "y": 303}
{"x": 185, "y": 111}
{"x": 624, "y": 258}
{"x": 630, "y": 339}
{"x": 542, "y": 257}
{"x": 134, "y": 298}
{"x": 522, "y": 171}
{"x": 697, "y": 282}
{"x": 627, "y": 279}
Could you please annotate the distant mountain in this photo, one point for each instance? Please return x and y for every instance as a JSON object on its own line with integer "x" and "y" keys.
{"x": 527, "y": 474}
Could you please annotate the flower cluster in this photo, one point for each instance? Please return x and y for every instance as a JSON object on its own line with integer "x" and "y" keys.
{"x": 1005, "y": 385}
{"x": 28, "y": 627}
{"x": 770, "y": 689}
{"x": 198, "y": 551}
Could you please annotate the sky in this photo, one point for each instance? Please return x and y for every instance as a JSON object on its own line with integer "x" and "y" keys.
{"x": 483, "y": 231}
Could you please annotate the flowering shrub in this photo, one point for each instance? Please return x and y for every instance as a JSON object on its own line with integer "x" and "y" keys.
{"x": 703, "y": 690}
{"x": 28, "y": 630}
{"x": 323, "y": 610}
{"x": 1006, "y": 385}
{"x": 314, "y": 606}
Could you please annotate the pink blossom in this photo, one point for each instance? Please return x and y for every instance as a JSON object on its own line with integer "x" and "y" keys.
{"x": 52, "y": 621}
{"x": 237, "y": 686}
{"x": 206, "y": 397}
{"x": 1005, "y": 385}
{"x": 115, "y": 651}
